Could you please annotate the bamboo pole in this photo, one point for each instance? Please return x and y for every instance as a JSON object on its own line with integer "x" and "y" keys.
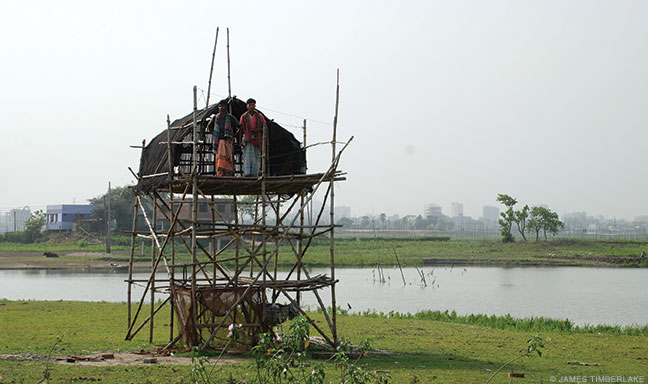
{"x": 130, "y": 261}
{"x": 276, "y": 255}
{"x": 171, "y": 232}
{"x": 229, "y": 81}
{"x": 150, "y": 317}
{"x": 399, "y": 265}
{"x": 332, "y": 210}
{"x": 256, "y": 218}
{"x": 194, "y": 209}
{"x": 108, "y": 229}
{"x": 237, "y": 245}
{"x": 153, "y": 272}
{"x": 264, "y": 165}
{"x": 132, "y": 256}
{"x": 301, "y": 220}
{"x": 213, "y": 242}
{"x": 211, "y": 70}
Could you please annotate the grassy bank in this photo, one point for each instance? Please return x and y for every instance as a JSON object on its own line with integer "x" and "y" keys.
{"x": 425, "y": 349}
{"x": 368, "y": 252}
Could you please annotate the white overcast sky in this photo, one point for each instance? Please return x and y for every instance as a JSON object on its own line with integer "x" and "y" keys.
{"x": 448, "y": 100}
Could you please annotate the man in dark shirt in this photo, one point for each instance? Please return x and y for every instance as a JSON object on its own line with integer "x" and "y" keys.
{"x": 252, "y": 124}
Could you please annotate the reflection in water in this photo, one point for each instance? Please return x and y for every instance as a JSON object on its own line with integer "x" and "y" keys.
{"x": 584, "y": 295}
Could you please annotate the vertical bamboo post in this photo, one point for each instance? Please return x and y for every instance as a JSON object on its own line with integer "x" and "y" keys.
{"x": 304, "y": 145}
{"x": 215, "y": 249}
{"x": 229, "y": 81}
{"x": 332, "y": 211}
{"x": 264, "y": 166}
{"x": 300, "y": 243}
{"x": 172, "y": 229}
{"x": 194, "y": 212}
{"x": 276, "y": 255}
{"x": 211, "y": 70}
{"x": 172, "y": 279}
{"x": 399, "y": 264}
{"x": 236, "y": 246}
{"x": 256, "y": 219}
{"x": 153, "y": 254}
{"x": 108, "y": 230}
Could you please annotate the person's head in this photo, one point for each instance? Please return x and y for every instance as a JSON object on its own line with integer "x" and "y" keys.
{"x": 222, "y": 106}
{"x": 251, "y": 105}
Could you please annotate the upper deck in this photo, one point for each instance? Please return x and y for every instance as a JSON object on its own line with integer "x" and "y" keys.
{"x": 167, "y": 162}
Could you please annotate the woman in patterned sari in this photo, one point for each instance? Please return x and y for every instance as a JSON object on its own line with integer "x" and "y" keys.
{"x": 223, "y": 134}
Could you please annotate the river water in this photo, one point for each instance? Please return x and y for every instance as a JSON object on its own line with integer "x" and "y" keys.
{"x": 584, "y": 295}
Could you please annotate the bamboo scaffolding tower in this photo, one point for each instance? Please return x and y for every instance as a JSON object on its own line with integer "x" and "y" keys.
{"x": 211, "y": 268}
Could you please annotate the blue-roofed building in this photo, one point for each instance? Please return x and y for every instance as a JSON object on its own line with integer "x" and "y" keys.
{"x": 61, "y": 217}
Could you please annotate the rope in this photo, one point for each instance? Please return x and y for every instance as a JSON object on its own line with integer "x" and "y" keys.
{"x": 276, "y": 111}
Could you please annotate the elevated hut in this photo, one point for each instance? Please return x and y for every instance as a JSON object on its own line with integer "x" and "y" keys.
{"x": 211, "y": 268}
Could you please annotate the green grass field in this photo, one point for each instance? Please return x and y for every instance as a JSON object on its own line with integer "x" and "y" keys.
{"x": 367, "y": 252}
{"x": 423, "y": 350}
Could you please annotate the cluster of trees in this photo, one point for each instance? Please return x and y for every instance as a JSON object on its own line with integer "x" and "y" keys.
{"x": 527, "y": 219}
{"x": 122, "y": 201}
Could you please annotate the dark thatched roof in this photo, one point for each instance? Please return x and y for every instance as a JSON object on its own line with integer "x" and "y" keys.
{"x": 286, "y": 155}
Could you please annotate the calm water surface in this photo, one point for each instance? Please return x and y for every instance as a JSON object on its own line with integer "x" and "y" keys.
{"x": 584, "y": 295}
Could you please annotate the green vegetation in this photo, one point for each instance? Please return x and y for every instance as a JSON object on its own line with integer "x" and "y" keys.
{"x": 534, "y": 220}
{"x": 421, "y": 350}
{"x": 531, "y": 324}
{"x": 122, "y": 201}
{"x": 364, "y": 252}
{"x": 543, "y": 219}
{"x": 508, "y": 217}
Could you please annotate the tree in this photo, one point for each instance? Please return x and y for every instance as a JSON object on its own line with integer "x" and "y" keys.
{"x": 34, "y": 226}
{"x": 508, "y": 217}
{"x": 420, "y": 223}
{"x": 345, "y": 222}
{"x": 248, "y": 208}
{"x": 534, "y": 224}
{"x": 122, "y": 201}
{"x": 552, "y": 224}
{"x": 520, "y": 220}
{"x": 383, "y": 218}
{"x": 545, "y": 220}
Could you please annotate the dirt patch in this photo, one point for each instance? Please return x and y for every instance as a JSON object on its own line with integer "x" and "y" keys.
{"x": 117, "y": 359}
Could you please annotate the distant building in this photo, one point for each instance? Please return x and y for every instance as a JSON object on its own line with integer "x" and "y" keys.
{"x": 223, "y": 212}
{"x": 63, "y": 216}
{"x": 342, "y": 212}
{"x": 456, "y": 210}
{"x": 14, "y": 220}
{"x": 490, "y": 213}
{"x": 641, "y": 219}
{"x": 433, "y": 210}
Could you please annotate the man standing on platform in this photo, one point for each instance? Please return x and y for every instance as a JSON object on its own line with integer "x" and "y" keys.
{"x": 252, "y": 124}
{"x": 224, "y": 127}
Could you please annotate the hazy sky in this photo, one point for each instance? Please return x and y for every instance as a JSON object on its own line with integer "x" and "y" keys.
{"x": 448, "y": 100}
